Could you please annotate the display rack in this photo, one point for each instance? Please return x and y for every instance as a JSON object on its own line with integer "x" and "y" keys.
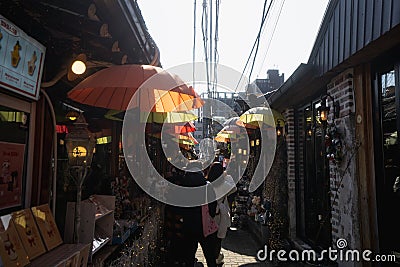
{"x": 97, "y": 219}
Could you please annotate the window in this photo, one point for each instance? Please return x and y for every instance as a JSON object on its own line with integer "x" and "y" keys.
{"x": 387, "y": 126}
{"x": 313, "y": 187}
{"x": 13, "y": 146}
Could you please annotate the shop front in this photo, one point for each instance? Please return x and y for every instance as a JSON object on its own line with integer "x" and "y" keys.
{"x": 21, "y": 66}
{"x": 342, "y": 165}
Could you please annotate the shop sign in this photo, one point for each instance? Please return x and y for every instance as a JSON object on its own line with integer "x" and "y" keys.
{"x": 21, "y": 60}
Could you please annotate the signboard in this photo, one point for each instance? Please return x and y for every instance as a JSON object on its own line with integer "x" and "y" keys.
{"x": 21, "y": 60}
{"x": 12, "y": 166}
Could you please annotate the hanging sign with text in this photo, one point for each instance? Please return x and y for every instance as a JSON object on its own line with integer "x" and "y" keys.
{"x": 21, "y": 60}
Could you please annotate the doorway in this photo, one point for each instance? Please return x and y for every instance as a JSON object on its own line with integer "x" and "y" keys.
{"x": 387, "y": 125}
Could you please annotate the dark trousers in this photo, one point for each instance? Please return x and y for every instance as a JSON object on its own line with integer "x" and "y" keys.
{"x": 218, "y": 246}
{"x": 207, "y": 244}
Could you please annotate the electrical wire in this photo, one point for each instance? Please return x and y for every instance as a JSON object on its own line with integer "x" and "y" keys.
{"x": 272, "y": 36}
{"x": 194, "y": 43}
{"x": 255, "y": 42}
{"x": 204, "y": 29}
{"x": 216, "y": 55}
{"x": 258, "y": 38}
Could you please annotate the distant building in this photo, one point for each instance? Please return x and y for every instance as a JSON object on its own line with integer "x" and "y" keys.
{"x": 271, "y": 83}
{"x": 267, "y": 86}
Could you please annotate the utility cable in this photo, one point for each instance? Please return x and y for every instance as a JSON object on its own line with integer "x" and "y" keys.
{"x": 216, "y": 56}
{"x": 272, "y": 36}
{"x": 259, "y": 36}
{"x": 255, "y": 43}
{"x": 194, "y": 44}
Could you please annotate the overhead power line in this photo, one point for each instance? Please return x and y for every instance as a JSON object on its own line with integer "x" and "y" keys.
{"x": 272, "y": 36}
{"x": 264, "y": 16}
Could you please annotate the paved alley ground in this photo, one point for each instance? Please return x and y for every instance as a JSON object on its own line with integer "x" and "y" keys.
{"x": 240, "y": 249}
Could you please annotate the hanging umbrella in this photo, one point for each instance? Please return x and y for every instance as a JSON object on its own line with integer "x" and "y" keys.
{"x": 155, "y": 117}
{"x": 186, "y": 128}
{"x": 258, "y": 116}
{"x": 230, "y": 132}
{"x": 113, "y": 88}
{"x": 187, "y": 138}
{"x": 231, "y": 121}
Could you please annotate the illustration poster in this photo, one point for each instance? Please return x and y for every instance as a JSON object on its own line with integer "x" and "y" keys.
{"x": 11, "y": 173}
{"x": 21, "y": 60}
{"x": 47, "y": 226}
{"x": 12, "y": 252}
{"x": 28, "y": 233}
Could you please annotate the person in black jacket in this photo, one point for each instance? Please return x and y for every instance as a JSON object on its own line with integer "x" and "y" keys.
{"x": 192, "y": 221}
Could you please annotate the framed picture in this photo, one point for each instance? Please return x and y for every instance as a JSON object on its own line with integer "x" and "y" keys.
{"x": 12, "y": 252}
{"x": 11, "y": 173}
{"x": 28, "y": 233}
{"x": 47, "y": 226}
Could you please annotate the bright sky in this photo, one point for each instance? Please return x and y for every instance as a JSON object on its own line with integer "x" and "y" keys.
{"x": 171, "y": 25}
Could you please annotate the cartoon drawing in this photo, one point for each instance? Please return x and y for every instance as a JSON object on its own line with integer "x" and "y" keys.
{"x": 30, "y": 237}
{"x": 9, "y": 247}
{"x": 13, "y": 182}
{"x": 49, "y": 228}
{"x": 5, "y": 172}
{"x": 31, "y": 63}
{"x": 15, "y": 57}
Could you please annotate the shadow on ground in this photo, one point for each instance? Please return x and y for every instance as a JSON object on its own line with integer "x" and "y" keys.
{"x": 241, "y": 242}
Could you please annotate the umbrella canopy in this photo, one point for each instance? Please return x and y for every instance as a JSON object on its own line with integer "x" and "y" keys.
{"x": 257, "y": 116}
{"x": 113, "y": 88}
{"x": 230, "y": 132}
{"x": 233, "y": 121}
{"x": 188, "y": 127}
{"x": 186, "y": 138}
{"x": 155, "y": 117}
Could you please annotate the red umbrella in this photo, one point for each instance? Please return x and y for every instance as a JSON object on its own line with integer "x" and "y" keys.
{"x": 113, "y": 88}
{"x": 188, "y": 127}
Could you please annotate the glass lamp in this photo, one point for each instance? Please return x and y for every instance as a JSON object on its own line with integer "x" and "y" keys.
{"x": 80, "y": 143}
{"x": 279, "y": 128}
{"x": 323, "y": 111}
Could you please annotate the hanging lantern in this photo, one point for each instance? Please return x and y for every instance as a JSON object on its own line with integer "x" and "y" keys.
{"x": 80, "y": 144}
{"x": 323, "y": 111}
{"x": 279, "y": 128}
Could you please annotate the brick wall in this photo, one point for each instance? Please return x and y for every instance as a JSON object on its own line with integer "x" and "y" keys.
{"x": 342, "y": 174}
{"x": 291, "y": 175}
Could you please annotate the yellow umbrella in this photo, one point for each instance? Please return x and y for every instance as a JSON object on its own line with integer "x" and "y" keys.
{"x": 257, "y": 116}
{"x": 229, "y": 132}
{"x": 156, "y": 117}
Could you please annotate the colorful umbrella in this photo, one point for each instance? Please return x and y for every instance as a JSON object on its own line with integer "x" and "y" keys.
{"x": 255, "y": 117}
{"x": 186, "y": 139}
{"x": 230, "y": 132}
{"x": 113, "y": 88}
{"x": 155, "y": 117}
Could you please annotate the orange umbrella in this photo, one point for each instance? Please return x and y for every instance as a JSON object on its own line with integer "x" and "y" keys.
{"x": 113, "y": 88}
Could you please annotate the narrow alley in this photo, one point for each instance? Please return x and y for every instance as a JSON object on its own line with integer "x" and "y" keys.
{"x": 240, "y": 250}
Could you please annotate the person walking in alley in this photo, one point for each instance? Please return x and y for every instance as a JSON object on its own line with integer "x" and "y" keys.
{"x": 222, "y": 217}
{"x": 193, "y": 230}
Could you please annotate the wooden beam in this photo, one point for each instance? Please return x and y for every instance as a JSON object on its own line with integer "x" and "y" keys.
{"x": 365, "y": 158}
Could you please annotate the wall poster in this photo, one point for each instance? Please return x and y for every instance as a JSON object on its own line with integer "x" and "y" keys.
{"x": 11, "y": 173}
{"x": 21, "y": 60}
